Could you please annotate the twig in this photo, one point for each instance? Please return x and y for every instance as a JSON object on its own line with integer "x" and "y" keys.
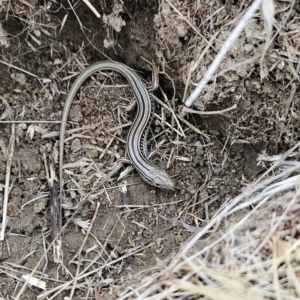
{"x": 54, "y": 217}
{"x": 85, "y": 127}
{"x": 54, "y": 211}
{"x": 44, "y": 80}
{"x": 124, "y": 193}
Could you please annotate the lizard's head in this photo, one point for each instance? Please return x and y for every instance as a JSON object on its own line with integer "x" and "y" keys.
{"x": 159, "y": 178}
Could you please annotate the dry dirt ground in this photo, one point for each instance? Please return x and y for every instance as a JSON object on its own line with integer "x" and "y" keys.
{"x": 54, "y": 41}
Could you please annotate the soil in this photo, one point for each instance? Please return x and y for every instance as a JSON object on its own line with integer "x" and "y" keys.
{"x": 211, "y": 167}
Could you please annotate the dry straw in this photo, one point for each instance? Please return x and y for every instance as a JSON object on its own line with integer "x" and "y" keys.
{"x": 250, "y": 249}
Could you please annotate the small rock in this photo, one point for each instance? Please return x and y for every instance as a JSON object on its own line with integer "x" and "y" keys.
{"x": 21, "y": 78}
{"x": 76, "y": 145}
{"x": 199, "y": 152}
{"x": 40, "y": 205}
{"x": 248, "y": 47}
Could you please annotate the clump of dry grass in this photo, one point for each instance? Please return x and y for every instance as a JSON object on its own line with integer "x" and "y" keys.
{"x": 250, "y": 248}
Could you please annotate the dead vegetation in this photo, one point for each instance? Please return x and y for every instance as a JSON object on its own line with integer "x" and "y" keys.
{"x": 231, "y": 231}
{"x": 240, "y": 253}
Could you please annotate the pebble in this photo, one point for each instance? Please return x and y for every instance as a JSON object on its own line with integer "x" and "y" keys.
{"x": 76, "y": 145}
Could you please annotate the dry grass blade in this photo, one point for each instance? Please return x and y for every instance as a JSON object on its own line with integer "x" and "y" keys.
{"x": 43, "y": 80}
{"x": 231, "y": 207}
{"x": 86, "y": 273}
{"x": 7, "y": 112}
{"x": 49, "y": 247}
{"x": 80, "y": 250}
{"x": 177, "y": 116}
{"x": 213, "y": 67}
{"x": 30, "y": 122}
{"x": 3, "y": 37}
{"x": 187, "y": 21}
{"x": 92, "y": 8}
{"x": 268, "y": 12}
{"x": 186, "y": 109}
{"x": 194, "y": 65}
{"x": 173, "y": 113}
{"x": 10, "y": 156}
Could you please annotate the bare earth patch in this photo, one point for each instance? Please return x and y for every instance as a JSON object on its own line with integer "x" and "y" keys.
{"x": 229, "y": 229}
